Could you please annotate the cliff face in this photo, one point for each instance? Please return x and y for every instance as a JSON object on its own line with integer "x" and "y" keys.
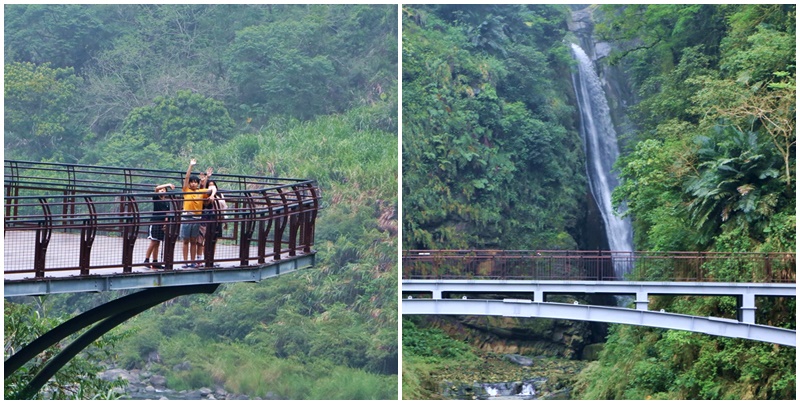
{"x": 615, "y": 83}
{"x": 524, "y": 336}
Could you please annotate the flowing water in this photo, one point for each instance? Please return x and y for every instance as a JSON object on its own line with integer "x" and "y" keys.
{"x": 511, "y": 391}
{"x": 600, "y": 146}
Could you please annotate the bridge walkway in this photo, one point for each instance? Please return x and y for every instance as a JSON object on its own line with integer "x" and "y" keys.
{"x": 76, "y": 228}
{"x": 518, "y": 283}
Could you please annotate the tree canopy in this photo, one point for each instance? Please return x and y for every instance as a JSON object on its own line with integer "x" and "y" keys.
{"x": 490, "y": 153}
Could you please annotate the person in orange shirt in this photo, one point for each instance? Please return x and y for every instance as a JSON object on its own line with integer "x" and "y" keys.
{"x": 192, "y": 214}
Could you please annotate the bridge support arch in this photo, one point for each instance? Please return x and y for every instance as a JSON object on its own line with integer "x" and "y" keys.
{"x": 527, "y": 308}
{"x": 109, "y": 315}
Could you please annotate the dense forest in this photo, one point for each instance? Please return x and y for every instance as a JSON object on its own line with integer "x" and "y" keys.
{"x": 271, "y": 90}
{"x": 484, "y": 107}
{"x": 492, "y": 158}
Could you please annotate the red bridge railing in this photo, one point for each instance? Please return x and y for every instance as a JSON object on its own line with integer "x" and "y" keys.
{"x": 64, "y": 217}
{"x": 600, "y": 265}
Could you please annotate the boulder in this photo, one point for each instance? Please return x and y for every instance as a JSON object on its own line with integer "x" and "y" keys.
{"x": 519, "y": 359}
{"x": 158, "y": 381}
{"x": 591, "y": 352}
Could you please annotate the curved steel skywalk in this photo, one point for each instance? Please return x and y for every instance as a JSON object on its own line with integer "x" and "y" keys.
{"x": 77, "y": 228}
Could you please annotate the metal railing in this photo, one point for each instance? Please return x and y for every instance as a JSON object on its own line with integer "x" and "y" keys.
{"x": 600, "y": 265}
{"x": 66, "y": 217}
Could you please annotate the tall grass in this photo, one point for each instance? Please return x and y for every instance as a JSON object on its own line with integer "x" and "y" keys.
{"x": 341, "y": 153}
{"x": 236, "y": 368}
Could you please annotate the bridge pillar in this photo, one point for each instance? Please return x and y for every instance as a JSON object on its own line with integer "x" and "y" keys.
{"x": 747, "y": 312}
{"x": 641, "y": 300}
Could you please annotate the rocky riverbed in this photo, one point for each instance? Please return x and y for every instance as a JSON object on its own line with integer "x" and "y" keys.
{"x": 510, "y": 377}
{"x": 144, "y": 385}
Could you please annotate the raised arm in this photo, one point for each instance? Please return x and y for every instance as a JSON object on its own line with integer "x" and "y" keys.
{"x": 163, "y": 186}
{"x": 205, "y": 177}
{"x": 188, "y": 173}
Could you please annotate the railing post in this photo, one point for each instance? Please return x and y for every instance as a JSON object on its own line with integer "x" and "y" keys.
{"x": 311, "y": 217}
{"x": 43, "y": 233}
{"x": 68, "y": 209}
{"x": 130, "y": 230}
{"x": 295, "y": 221}
{"x": 700, "y": 276}
{"x": 280, "y": 226}
{"x": 88, "y": 232}
{"x": 768, "y": 268}
{"x": 210, "y": 241}
{"x": 12, "y": 189}
{"x": 171, "y": 233}
{"x": 246, "y": 232}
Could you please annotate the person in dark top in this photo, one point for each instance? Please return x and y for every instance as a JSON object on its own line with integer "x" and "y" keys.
{"x": 156, "y": 232}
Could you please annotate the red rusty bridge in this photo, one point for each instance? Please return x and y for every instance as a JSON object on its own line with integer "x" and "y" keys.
{"x": 76, "y": 228}
{"x": 519, "y": 283}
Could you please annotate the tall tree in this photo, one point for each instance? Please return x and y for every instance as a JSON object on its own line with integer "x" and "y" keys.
{"x": 39, "y": 103}
{"x": 64, "y": 35}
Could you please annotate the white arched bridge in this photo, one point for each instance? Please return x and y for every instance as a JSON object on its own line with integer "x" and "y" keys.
{"x": 520, "y": 282}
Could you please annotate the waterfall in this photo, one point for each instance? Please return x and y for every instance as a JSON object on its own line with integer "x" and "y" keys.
{"x": 600, "y": 146}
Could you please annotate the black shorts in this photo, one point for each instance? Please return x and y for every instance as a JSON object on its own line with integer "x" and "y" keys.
{"x": 156, "y": 232}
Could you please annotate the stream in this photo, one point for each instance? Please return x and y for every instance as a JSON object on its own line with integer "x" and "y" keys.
{"x": 511, "y": 377}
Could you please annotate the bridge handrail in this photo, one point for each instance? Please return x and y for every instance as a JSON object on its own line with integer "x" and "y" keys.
{"x": 605, "y": 253}
{"x": 77, "y": 200}
{"x": 72, "y": 173}
{"x": 600, "y": 265}
{"x": 263, "y": 212}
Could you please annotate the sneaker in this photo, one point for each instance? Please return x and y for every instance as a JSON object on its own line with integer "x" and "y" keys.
{"x": 146, "y": 262}
{"x": 186, "y": 266}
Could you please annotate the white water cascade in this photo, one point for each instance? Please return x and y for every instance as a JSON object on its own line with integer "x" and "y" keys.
{"x": 600, "y": 146}
{"x": 527, "y": 390}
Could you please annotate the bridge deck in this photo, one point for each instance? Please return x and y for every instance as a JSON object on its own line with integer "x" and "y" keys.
{"x": 105, "y": 259}
{"x": 143, "y": 278}
{"x": 111, "y": 276}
